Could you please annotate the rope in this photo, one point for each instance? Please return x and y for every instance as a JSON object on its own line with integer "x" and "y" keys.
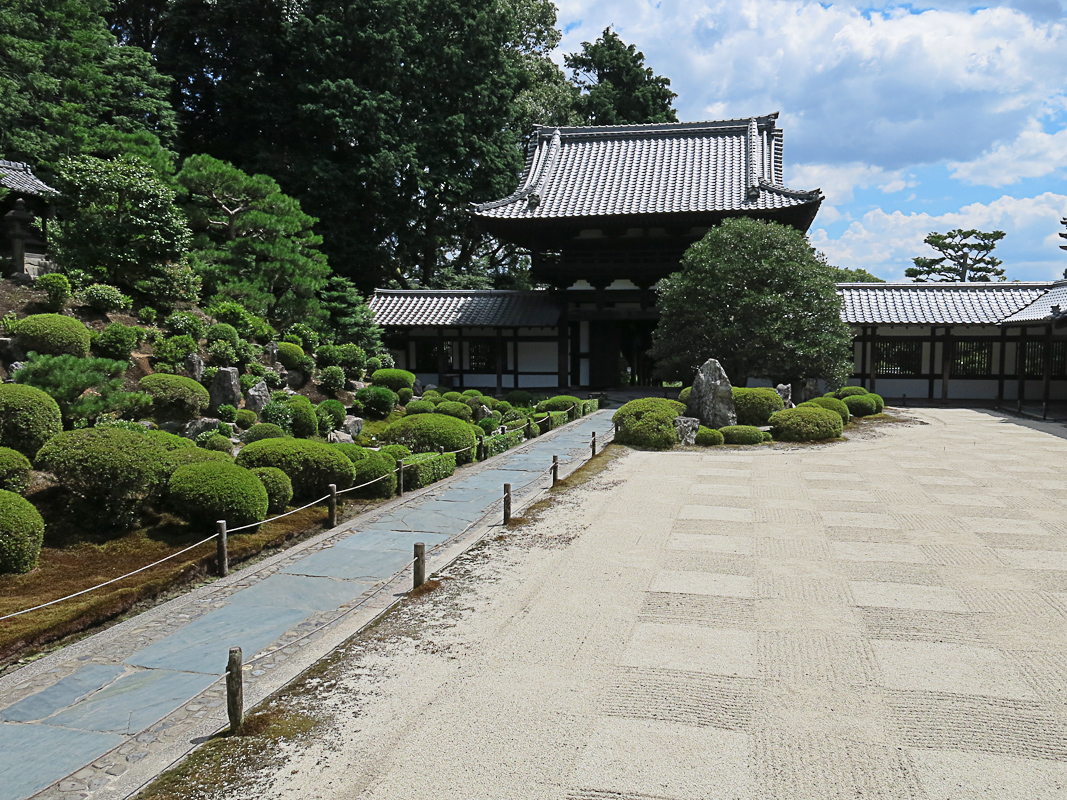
{"x": 368, "y": 483}
{"x": 286, "y": 514}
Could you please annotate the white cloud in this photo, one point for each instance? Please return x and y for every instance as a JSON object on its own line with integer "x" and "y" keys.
{"x": 840, "y": 181}
{"x": 1033, "y": 154}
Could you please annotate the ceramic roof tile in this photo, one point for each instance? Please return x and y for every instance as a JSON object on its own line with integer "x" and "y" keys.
{"x": 17, "y": 176}
{"x": 1041, "y": 309}
{"x": 729, "y": 165}
{"x": 490, "y": 308}
{"x": 935, "y": 303}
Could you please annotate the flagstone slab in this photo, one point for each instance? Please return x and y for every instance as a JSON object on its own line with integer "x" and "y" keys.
{"x": 300, "y": 592}
{"x": 35, "y": 756}
{"x": 350, "y": 564}
{"x": 63, "y": 693}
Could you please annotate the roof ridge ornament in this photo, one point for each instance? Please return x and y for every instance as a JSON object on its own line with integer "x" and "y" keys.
{"x": 753, "y": 183}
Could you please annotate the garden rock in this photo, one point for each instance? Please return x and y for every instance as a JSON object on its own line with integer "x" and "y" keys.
{"x": 257, "y": 397}
{"x": 687, "y": 428}
{"x": 7, "y": 348}
{"x": 416, "y": 388}
{"x": 339, "y": 437}
{"x": 353, "y": 426}
{"x": 785, "y": 391}
{"x": 225, "y": 389}
{"x": 810, "y": 390}
{"x": 270, "y": 352}
{"x": 355, "y": 386}
{"x": 194, "y": 365}
{"x": 295, "y": 379}
{"x": 711, "y": 399}
{"x": 481, "y": 411}
{"x": 195, "y": 427}
{"x": 281, "y": 370}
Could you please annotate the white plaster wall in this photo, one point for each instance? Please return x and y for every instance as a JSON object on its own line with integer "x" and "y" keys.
{"x": 537, "y": 381}
{"x": 898, "y": 387}
{"x": 538, "y": 357}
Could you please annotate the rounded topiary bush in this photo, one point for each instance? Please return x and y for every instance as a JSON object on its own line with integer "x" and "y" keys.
{"x": 221, "y": 332}
{"x": 404, "y": 396}
{"x": 279, "y": 488}
{"x": 279, "y": 414}
{"x": 879, "y": 402}
{"x": 472, "y": 393}
{"x": 264, "y": 430}
{"x": 520, "y": 397}
{"x": 755, "y": 406}
{"x": 831, "y": 404}
{"x": 193, "y": 455}
{"x": 395, "y": 451}
{"x": 246, "y": 418}
{"x": 709, "y": 437}
{"x": 395, "y": 379}
{"x": 291, "y": 355}
{"x": 683, "y": 396}
{"x": 21, "y": 534}
{"x": 636, "y": 409}
{"x": 861, "y": 405}
{"x": 423, "y": 433}
{"x": 849, "y": 391}
{"x": 806, "y": 424}
{"x": 14, "y": 471}
{"x": 653, "y": 429}
{"x": 53, "y": 334}
{"x": 377, "y": 470}
{"x": 332, "y": 379}
{"x": 561, "y": 402}
{"x": 353, "y": 452}
{"x": 420, "y": 407}
{"x": 377, "y": 401}
{"x": 28, "y": 418}
{"x": 305, "y": 423}
{"x": 334, "y": 410}
{"x": 741, "y": 434}
{"x": 227, "y": 413}
{"x": 458, "y": 410}
{"x": 208, "y": 492}
{"x": 311, "y": 466}
{"x": 175, "y": 396}
{"x": 454, "y": 397}
{"x": 219, "y": 443}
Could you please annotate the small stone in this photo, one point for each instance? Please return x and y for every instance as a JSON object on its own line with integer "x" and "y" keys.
{"x": 352, "y": 425}
{"x": 687, "y": 429}
{"x": 481, "y": 411}
{"x": 416, "y": 388}
{"x": 711, "y": 399}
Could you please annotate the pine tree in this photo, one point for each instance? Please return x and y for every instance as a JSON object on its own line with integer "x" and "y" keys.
{"x": 966, "y": 255}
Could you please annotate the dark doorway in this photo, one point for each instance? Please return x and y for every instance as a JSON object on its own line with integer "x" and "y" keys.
{"x": 618, "y": 353}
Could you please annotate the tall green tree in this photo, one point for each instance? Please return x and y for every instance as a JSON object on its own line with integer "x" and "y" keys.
{"x": 966, "y": 255}
{"x": 756, "y": 296}
{"x": 66, "y": 89}
{"x": 253, "y": 242}
{"x": 616, "y": 87}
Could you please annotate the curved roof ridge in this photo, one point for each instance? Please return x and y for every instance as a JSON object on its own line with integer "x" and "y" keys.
{"x": 535, "y": 179}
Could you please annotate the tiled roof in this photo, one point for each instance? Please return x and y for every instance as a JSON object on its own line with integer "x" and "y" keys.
{"x": 1041, "y": 308}
{"x": 731, "y": 165}
{"x": 935, "y": 303}
{"x": 16, "y": 176}
{"x": 489, "y": 308}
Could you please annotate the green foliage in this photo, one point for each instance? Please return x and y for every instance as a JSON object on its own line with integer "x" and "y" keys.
{"x": 563, "y": 402}
{"x": 277, "y": 413}
{"x": 52, "y": 334}
{"x": 520, "y": 397}
{"x": 192, "y": 455}
{"x": 396, "y": 452}
{"x": 221, "y": 332}
{"x": 309, "y": 337}
{"x": 264, "y": 430}
{"x": 857, "y": 275}
{"x": 424, "y": 433}
{"x": 245, "y": 418}
{"x": 459, "y": 410}
{"x": 420, "y": 407}
{"x": 352, "y": 359}
{"x": 635, "y": 409}
{"x": 14, "y": 471}
{"x": 860, "y": 405}
{"x": 879, "y": 403}
{"x": 969, "y": 257}
{"x": 378, "y": 468}
{"x": 422, "y": 469}
{"x": 395, "y": 379}
{"x": 279, "y": 488}
{"x": 404, "y": 396}
{"x": 377, "y": 401}
{"x": 290, "y": 355}
{"x": 334, "y": 411}
{"x": 311, "y": 466}
{"x": 806, "y": 424}
{"x": 205, "y": 493}
{"x": 57, "y": 287}
{"x": 374, "y": 364}
{"x": 831, "y": 404}
{"x": 28, "y": 418}
{"x": 228, "y": 413}
{"x": 248, "y": 325}
{"x": 112, "y": 471}
{"x": 755, "y": 406}
{"x": 348, "y": 316}
{"x": 174, "y": 350}
{"x": 221, "y": 353}
{"x": 218, "y": 443}
{"x": 118, "y": 340}
{"x": 709, "y": 437}
{"x": 332, "y": 380}
{"x": 501, "y": 442}
{"x": 849, "y": 391}
{"x": 652, "y": 429}
{"x": 105, "y": 299}
{"x": 305, "y": 423}
{"x": 84, "y": 388}
{"x": 472, "y": 393}
{"x": 769, "y": 308}
{"x": 617, "y": 88}
{"x": 176, "y": 397}
{"x": 741, "y": 434}
{"x": 186, "y": 323}
{"x": 21, "y": 534}
{"x": 147, "y": 315}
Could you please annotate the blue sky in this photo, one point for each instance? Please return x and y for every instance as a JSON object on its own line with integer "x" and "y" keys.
{"x": 911, "y": 118}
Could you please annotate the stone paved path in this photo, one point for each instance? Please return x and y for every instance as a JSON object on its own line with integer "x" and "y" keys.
{"x": 83, "y": 715}
{"x": 882, "y": 619}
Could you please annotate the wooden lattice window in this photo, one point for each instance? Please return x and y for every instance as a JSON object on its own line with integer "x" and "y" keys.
{"x": 972, "y": 359}
{"x": 426, "y": 355}
{"x": 1034, "y": 359}
{"x": 482, "y": 356}
{"x": 899, "y": 359}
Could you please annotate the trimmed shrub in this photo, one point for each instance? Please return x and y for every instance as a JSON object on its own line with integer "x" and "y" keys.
{"x": 279, "y": 488}
{"x": 768, "y": 437}
{"x": 395, "y": 451}
{"x": 218, "y": 443}
{"x": 495, "y": 445}
{"x": 103, "y": 298}
{"x": 221, "y": 332}
{"x": 118, "y": 340}
{"x": 309, "y": 339}
{"x": 861, "y": 405}
{"x": 652, "y": 429}
{"x": 458, "y": 410}
{"x": 683, "y": 396}
{"x": 245, "y": 418}
{"x": 395, "y": 379}
{"x": 454, "y": 397}
{"x": 112, "y": 470}
{"x": 420, "y": 407}
{"x": 831, "y": 404}
{"x": 351, "y": 358}
{"x": 377, "y": 401}
{"x": 741, "y": 434}
{"x": 212, "y": 491}
{"x": 709, "y": 437}
{"x": 174, "y": 350}
{"x": 562, "y": 402}
{"x": 168, "y": 441}
{"x": 878, "y": 401}
{"x": 227, "y": 413}
{"x": 755, "y": 406}
{"x": 424, "y": 433}
{"x": 290, "y": 355}
{"x": 520, "y": 397}
{"x": 334, "y": 410}
{"x": 57, "y": 287}
{"x": 849, "y": 391}
{"x": 353, "y": 452}
{"x": 635, "y": 409}
{"x": 193, "y": 455}
{"x": 278, "y": 413}
{"x": 404, "y": 396}
{"x": 422, "y": 469}
{"x": 311, "y": 466}
{"x": 14, "y": 470}
{"x": 221, "y": 353}
{"x": 185, "y": 323}
{"x": 806, "y": 424}
{"x": 264, "y": 430}
{"x": 374, "y": 363}
{"x": 332, "y": 380}
{"x": 21, "y": 534}
{"x": 147, "y": 315}
{"x": 488, "y": 425}
{"x": 378, "y": 468}
{"x": 176, "y": 396}
{"x": 53, "y": 335}
{"x": 558, "y": 418}
{"x": 305, "y": 422}
{"x": 28, "y": 418}
{"x": 472, "y": 393}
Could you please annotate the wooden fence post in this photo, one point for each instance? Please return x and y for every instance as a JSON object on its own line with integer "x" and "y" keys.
{"x": 223, "y": 558}
{"x": 555, "y": 470}
{"x": 593, "y": 445}
{"x": 235, "y": 689}
{"x": 333, "y": 505}
{"x": 419, "y": 571}
{"x": 507, "y": 503}
{"x": 400, "y": 477}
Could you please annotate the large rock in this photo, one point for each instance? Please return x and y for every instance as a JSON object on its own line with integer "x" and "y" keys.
{"x": 339, "y": 437}
{"x": 225, "y": 389}
{"x": 294, "y": 379}
{"x": 353, "y": 426}
{"x": 712, "y": 397}
{"x": 481, "y": 411}
{"x": 270, "y": 352}
{"x": 195, "y": 427}
{"x": 194, "y": 365}
{"x": 687, "y": 429}
{"x": 416, "y": 388}
{"x": 785, "y": 391}
{"x": 257, "y": 397}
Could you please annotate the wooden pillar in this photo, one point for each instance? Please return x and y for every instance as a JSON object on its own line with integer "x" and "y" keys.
{"x": 873, "y": 367}
{"x": 933, "y": 363}
{"x": 563, "y": 348}
{"x": 1047, "y": 370}
{"x": 1020, "y": 367}
{"x": 501, "y": 357}
{"x": 515, "y": 350}
{"x": 459, "y": 357}
{"x": 1003, "y": 358}
{"x": 946, "y": 362}
{"x": 863, "y": 356}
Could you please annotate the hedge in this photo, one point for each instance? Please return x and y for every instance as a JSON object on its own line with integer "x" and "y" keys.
{"x": 114, "y": 471}
{"x": 495, "y": 445}
{"x": 422, "y": 469}
{"x": 589, "y": 406}
{"x": 636, "y": 409}
{"x": 221, "y": 332}
{"x": 14, "y": 471}
{"x": 455, "y": 409}
{"x": 861, "y": 405}
{"x": 424, "y": 433}
{"x": 420, "y": 407}
{"x": 176, "y": 396}
{"x": 278, "y": 414}
{"x": 741, "y": 434}
{"x": 219, "y": 443}
{"x": 683, "y": 396}
{"x": 394, "y": 379}
{"x": 652, "y": 429}
{"x": 53, "y": 334}
{"x": 193, "y": 455}
{"x": 332, "y": 379}
{"x": 831, "y": 404}
{"x": 212, "y": 491}
{"x": 21, "y": 534}
{"x": 378, "y": 401}
{"x": 168, "y": 441}
{"x": 28, "y": 418}
{"x": 404, "y": 396}
{"x": 878, "y": 401}
{"x": 709, "y": 437}
{"x": 311, "y": 466}
{"x": 806, "y": 424}
{"x": 561, "y": 402}
{"x": 264, "y": 430}
{"x": 849, "y": 391}
{"x": 755, "y": 406}
{"x": 246, "y": 418}
{"x": 353, "y": 452}
{"x": 368, "y": 469}
{"x": 454, "y": 397}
